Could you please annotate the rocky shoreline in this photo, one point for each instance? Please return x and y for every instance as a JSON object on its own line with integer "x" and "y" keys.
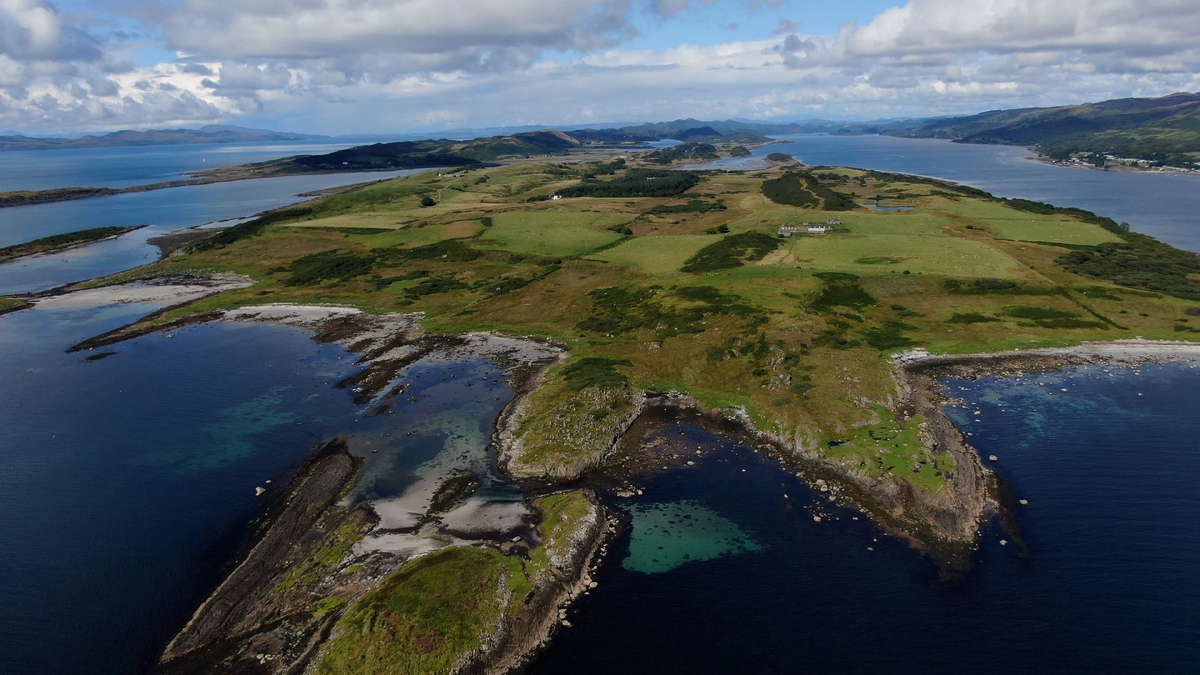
{"x": 256, "y": 623}
{"x": 244, "y": 620}
{"x": 250, "y": 625}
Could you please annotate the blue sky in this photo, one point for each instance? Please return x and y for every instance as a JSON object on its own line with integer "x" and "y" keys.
{"x": 395, "y": 66}
{"x": 719, "y": 23}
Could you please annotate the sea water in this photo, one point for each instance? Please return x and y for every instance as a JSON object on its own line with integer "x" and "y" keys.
{"x": 1162, "y": 205}
{"x": 128, "y": 473}
{"x": 121, "y": 167}
{"x": 163, "y": 210}
{"x": 1101, "y": 577}
{"x": 126, "y": 483}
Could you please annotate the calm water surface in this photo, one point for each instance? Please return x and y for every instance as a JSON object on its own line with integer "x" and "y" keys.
{"x": 1104, "y": 583}
{"x": 127, "y": 482}
{"x": 126, "y": 167}
{"x": 1166, "y": 206}
{"x": 164, "y": 210}
{"x": 1162, "y": 205}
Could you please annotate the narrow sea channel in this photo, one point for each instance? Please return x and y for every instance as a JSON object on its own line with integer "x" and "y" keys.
{"x": 1100, "y": 580}
{"x": 128, "y": 482}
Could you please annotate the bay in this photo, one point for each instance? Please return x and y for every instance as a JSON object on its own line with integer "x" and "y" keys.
{"x": 121, "y": 501}
{"x": 1101, "y": 580}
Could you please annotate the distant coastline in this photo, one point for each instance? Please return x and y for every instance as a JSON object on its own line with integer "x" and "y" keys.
{"x": 210, "y": 134}
{"x": 1123, "y": 168}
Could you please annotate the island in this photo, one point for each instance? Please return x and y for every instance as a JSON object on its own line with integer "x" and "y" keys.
{"x": 810, "y": 310}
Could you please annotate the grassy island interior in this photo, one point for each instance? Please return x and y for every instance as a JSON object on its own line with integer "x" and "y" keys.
{"x": 663, "y": 280}
{"x": 435, "y": 611}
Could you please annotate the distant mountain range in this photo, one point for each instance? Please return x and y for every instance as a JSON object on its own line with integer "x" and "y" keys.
{"x": 213, "y": 133}
{"x": 1165, "y": 129}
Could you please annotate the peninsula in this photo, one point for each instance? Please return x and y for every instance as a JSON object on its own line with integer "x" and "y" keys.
{"x": 784, "y": 302}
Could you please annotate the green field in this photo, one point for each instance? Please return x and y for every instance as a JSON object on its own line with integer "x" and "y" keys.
{"x": 795, "y": 334}
{"x": 888, "y": 253}
{"x": 656, "y": 255}
{"x": 408, "y": 236}
{"x": 1009, "y": 223}
{"x": 907, "y": 223}
{"x": 1055, "y": 232}
{"x": 774, "y": 334}
{"x": 551, "y": 233}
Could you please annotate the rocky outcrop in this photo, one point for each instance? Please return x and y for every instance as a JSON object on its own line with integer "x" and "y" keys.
{"x": 260, "y": 619}
{"x": 545, "y": 609}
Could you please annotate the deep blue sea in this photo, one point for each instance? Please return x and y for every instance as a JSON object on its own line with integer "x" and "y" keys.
{"x": 1103, "y": 578}
{"x": 127, "y": 482}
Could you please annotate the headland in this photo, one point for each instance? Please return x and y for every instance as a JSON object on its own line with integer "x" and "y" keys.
{"x": 771, "y": 303}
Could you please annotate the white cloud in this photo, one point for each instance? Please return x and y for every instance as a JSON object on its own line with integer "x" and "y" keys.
{"x": 392, "y": 65}
{"x": 34, "y": 30}
{"x": 440, "y": 32}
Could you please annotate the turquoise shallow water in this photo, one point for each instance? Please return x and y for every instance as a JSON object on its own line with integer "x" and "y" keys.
{"x": 126, "y": 483}
{"x": 667, "y": 535}
{"x": 1101, "y": 578}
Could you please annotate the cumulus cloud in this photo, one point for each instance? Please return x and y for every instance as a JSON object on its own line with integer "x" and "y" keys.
{"x": 440, "y": 32}
{"x": 391, "y": 65}
{"x": 1042, "y": 52}
{"x": 34, "y": 30}
{"x": 1008, "y": 26}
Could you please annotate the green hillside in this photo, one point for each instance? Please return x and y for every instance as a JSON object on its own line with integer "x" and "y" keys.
{"x": 1162, "y": 130}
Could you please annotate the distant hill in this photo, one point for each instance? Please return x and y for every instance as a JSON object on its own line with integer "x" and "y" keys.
{"x": 213, "y": 133}
{"x": 431, "y": 153}
{"x": 729, "y": 131}
{"x": 1165, "y": 129}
